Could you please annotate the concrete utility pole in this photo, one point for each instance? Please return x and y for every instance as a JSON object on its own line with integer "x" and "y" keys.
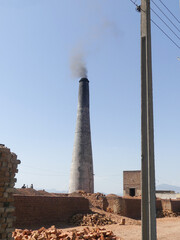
{"x": 148, "y": 203}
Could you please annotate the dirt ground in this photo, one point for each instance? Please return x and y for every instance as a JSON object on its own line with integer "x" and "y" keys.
{"x": 167, "y": 228}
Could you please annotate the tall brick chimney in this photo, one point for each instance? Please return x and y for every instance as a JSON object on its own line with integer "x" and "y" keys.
{"x": 82, "y": 177}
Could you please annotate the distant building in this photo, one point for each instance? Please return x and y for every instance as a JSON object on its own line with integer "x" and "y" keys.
{"x": 132, "y": 186}
{"x": 132, "y": 183}
{"x": 164, "y": 194}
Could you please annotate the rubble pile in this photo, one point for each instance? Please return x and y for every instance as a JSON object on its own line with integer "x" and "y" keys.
{"x": 95, "y": 219}
{"x": 52, "y": 233}
{"x": 166, "y": 213}
{"x": 85, "y": 194}
{"x": 8, "y": 169}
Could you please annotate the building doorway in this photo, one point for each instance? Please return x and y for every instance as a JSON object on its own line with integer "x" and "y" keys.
{"x": 132, "y": 192}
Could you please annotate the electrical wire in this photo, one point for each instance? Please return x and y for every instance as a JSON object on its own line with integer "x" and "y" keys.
{"x": 138, "y": 7}
{"x": 165, "y": 23}
{"x": 160, "y": 29}
{"x": 165, "y": 34}
{"x": 165, "y": 15}
{"x": 169, "y": 11}
{"x": 134, "y": 3}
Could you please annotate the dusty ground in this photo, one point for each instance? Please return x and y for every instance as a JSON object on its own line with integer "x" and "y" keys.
{"x": 167, "y": 228}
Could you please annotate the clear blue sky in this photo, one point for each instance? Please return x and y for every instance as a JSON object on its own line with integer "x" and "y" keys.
{"x": 39, "y": 96}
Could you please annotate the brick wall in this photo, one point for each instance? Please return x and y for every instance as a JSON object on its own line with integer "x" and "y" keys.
{"x": 175, "y": 206}
{"x": 43, "y": 210}
{"x": 170, "y": 205}
{"x": 132, "y": 207}
{"x": 8, "y": 169}
{"x": 128, "y": 207}
{"x": 38, "y": 211}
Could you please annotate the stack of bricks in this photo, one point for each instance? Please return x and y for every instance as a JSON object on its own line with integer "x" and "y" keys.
{"x": 8, "y": 169}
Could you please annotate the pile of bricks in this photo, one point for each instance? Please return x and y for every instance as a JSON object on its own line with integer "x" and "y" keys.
{"x": 95, "y": 219}
{"x": 8, "y": 169}
{"x": 53, "y": 233}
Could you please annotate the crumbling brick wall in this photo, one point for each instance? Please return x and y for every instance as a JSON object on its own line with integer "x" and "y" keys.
{"x": 115, "y": 204}
{"x": 97, "y": 201}
{"x": 8, "y": 169}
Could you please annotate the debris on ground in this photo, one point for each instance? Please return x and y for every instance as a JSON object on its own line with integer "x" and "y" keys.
{"x": 53, "y": 233}
{"x": 94, "y": 219}
{"x": 167, "y": 213}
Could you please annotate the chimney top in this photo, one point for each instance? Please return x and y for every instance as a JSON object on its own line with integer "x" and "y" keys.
{"x": 83, "y": 80}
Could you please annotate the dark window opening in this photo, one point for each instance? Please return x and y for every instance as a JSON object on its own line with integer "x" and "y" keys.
{"x": 132, "y": 192}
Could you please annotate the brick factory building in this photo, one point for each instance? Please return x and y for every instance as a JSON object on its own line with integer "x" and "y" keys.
{"x": 132, "y": 183}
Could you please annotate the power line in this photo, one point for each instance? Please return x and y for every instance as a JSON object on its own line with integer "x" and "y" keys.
{"x": 161, "y": 29}
{"x": 138, "y": 7}
{"x": 165, "y": 15}
{"x": 169, "y": 11}
{"x": 165, "y": 24}
{"x": 165, "y": 34}
{"x": 134, "y": 3}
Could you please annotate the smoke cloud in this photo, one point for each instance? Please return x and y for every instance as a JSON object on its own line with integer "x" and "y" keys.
{"x": 94, "y": 38}
{"x": 78, "y": 64}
